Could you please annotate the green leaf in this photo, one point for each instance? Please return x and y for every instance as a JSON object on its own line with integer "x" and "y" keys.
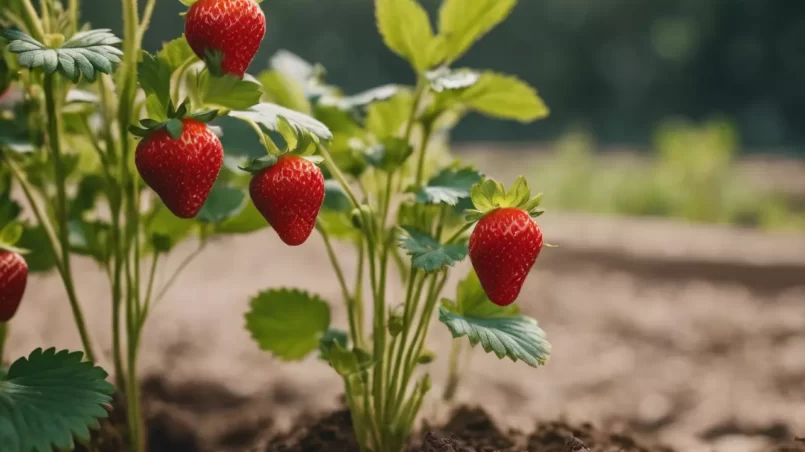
{"x": 268, "y": 115}
{"x": 248, "y": 220}
{"x": 89, "y": 238}
{"x": 504, "y": 97}
{"x": 445, "y": 79}
{"x": 365, "y": 98}
{"x": 175, "y": 128}
{"x": 155, "y": 80}
{"x": 471, "y": 301}
{"x": 40, "y": 258}
{"x": 49, "y": 398}
{"x": 349, "y": 362}
{"x": 386, "y": 118}
{"x": 462, "y": 22}
{"x": 338, "y": 225}
{"x": 284, "y": 91}
{"x": 389, "y": 154}
{"x": 406, "y": 30}
{"x": 161, "y": 221}
{"x": 229, "y": 92}
{"x": 288, "y": 323}
{"x": 223, "y": 202}
{"x": 427, "y": 253}
{"x": 11, "y": 234}
{"x": 329, "y": 340}
{"x": 176, "y": 53}
{"x": 449, "y": 186}
{"x": 517, "y": 337}
{"x": 86, "y": 53}
{"x": 335, "y": 198}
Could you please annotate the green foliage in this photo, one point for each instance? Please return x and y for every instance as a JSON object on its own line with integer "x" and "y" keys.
{"x": 386, "y": 118}
{"x": 517, "y": 337}
{"x": 471, "y": 301}
{"x": 224, "y": 202}
{"x": 248, "y": 220}
{"x": 288, "y": 323}
{"x": 389, "y": 155}
{"x": 427, "y": 253}
{"x": 692, "y": 176}
{"x": 228, "y": 92}
{"x": 86, "y": 53}
{"x": 300, "y": 126}
{"x": 406, "y": 30}
{"x": 450, "y": 186}
{"x": 329, "y": 339}
{"x": 490, "y": 195}
{"x": 462, "y": 22}
{"x": 49, "y": 398}
{"x": 504, "y": 97}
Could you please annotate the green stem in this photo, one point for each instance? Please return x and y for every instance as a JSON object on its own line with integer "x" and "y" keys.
{"x": 33, "y": 21}
{"x": 43, "y": 5}
{"x": 395, "y": 369}
{"x": 353, "y": 327}
{"x": 54, "y": 143}
{"x": 457, "y": 235}
{"x": 359, "y": 290}
{"x": 72, "y": 8}
{"x": 150, "y": 289}
{"x": 453, "y": 375}
{"x": 328, "y": 160}
{"x": 179, "y": 270}
{"x": 423, "y": 146}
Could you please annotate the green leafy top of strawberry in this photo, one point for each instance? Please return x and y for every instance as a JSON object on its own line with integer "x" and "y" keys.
{"x": 9, "y": 236}
{"x": 489, "y": 195}
{"x": 174, "y": 124}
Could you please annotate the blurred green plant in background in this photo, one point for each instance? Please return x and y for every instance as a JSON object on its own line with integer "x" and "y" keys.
{"x": 692, "y": 174}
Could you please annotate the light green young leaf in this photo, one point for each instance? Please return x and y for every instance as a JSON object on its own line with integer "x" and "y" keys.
{"x": 176, "y": 53}
{"x": 427, "y": 253}
{"x": 504, "y": 97}
{"x": 228, "y": 92}
{"x": 349, "y": 362}
{"x": 223, "y": 202}
{"x": 329, "y": 339}
{"x": 450, "y": 186}
{"x": 386, "y": 118}
{"x": 517, "y": 337}
{"x": 11, "y": 234}
{"x": 462, "y": 22}
{"x": 284, "y": 91}
{"x": 288, "y": 323}
{"x": 518, "y": 193}
{"x": 485, "y": 195}
{"x": 50, "y": 398}
{"x": 406, "y": 30}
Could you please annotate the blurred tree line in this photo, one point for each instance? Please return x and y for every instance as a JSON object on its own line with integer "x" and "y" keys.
{"x": 618, "y": 67}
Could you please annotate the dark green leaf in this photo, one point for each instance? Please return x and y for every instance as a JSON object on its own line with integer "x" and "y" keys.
{"x": 161, "y": 221}
{"x": 349, "y": 362}
{"x": 518, "y": 337}
{"x": 40, "y": 257}
{"x": 389, "y": 154}
{"x": 335, "y": 198}
{"x": 329, "y": 340}
{"x": 427, "y": 253}
{"x": 49, "y": 398}
{"x": 449, "y": 186}
{"x": 248, "y": 220}
{"x": 155, "y": 79}
{"x": 90, "y": 238}
{"x": 161, "y": 243}
{"x": 224, "y": 202}
{"x": 288, "y": 323}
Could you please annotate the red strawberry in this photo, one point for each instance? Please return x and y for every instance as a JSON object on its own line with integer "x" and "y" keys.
{"x": 13, "y": 279}
{"x": 289, "y": 194}
{"x": 183, "y": 171}
{"x": 503, "y": 248}
{"x": 231, "y": 28}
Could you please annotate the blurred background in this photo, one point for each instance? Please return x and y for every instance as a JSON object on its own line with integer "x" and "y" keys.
{"x": 705, "y": 97}
{"x": 673, "y": 166}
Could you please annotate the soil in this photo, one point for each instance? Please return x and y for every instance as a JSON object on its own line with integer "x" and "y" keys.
{"x": 663, "y": 333}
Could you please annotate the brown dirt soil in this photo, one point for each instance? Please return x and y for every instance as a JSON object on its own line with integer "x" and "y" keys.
{"x": 683, "y": 335}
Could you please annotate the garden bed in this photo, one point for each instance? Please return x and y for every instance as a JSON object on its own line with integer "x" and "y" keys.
{"x": 669, "y": 356}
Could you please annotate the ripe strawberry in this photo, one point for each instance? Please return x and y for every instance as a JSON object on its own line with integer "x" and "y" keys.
{"x": 13, "y": 279}
{"x": 182, "y": 171}
{"x": 225, "y": 33}
{"x": 289, "y": 194}
{"x": 503, "y": 248}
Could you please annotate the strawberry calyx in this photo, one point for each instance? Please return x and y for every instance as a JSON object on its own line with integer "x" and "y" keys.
{"x": 174, "y": 124}
{"x": 214, "y": 58}
{"x": 9, "y": 236}
{"x": 256, "y": 165}
{"x": 490, "y": 195}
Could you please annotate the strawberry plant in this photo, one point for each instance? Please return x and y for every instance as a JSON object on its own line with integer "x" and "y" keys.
{"x": 121, "y": 154}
